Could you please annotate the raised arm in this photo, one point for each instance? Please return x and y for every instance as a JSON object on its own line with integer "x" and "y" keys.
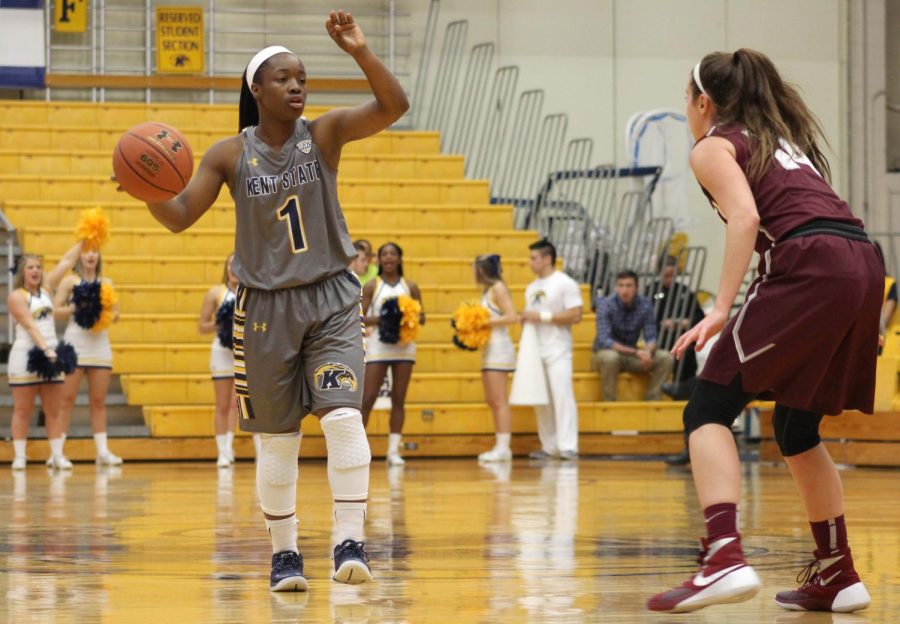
{"x": 62, "y": 268}
{"x": 337, "y": 127}
{"x": 714, "y": 164}
{"x": 62, "y": 308}
{"x": 216, "y": 168}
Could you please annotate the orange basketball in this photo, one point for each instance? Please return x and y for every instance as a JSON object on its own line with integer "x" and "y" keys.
{"x": 153, "y": 162}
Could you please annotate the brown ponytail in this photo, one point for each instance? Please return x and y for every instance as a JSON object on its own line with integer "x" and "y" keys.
{"x": 747, "y": 90}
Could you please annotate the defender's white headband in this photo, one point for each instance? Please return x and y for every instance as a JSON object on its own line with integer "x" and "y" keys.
{"x": 261, "y": 57}
{"x": 697, "y": 79}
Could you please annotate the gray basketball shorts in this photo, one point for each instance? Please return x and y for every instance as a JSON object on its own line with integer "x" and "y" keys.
{"x": 297, "y": 350}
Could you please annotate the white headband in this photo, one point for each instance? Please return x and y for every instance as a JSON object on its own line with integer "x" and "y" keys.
{"x": 697, "y": 79}
{"x": 261, "y": 57}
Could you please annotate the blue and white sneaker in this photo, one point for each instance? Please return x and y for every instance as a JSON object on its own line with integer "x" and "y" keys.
{"x": 350, "y": 565}
{"x": 287, "y": 572}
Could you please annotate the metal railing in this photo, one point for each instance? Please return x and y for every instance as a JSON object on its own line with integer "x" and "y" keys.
{"x": 679, "y": 310}
{"x": 120, "y": 39}
{"x": 9, "y": 230}
{"x": 599, "y": 218}
{"x": 550, "y": 181}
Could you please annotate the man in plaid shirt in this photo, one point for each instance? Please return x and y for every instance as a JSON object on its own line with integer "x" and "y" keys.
{"x": 621, "y": 318}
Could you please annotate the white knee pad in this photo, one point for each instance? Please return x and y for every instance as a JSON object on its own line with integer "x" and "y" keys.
{"x": 277, "y": 472}
{"x": 348, "y": 454}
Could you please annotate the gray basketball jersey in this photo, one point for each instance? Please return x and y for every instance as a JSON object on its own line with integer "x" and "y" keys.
{"x": 290, "y": 230}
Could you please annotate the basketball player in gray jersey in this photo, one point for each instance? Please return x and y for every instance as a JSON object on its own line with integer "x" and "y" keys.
{"x": 298, "y": 340}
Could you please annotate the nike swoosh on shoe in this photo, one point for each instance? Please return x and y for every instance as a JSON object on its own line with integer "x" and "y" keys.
{"x": 703, "y": 581}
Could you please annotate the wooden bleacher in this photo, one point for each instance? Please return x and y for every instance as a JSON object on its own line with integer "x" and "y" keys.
{"x": 857, "y": 438}
{"x": 55, "y": 160}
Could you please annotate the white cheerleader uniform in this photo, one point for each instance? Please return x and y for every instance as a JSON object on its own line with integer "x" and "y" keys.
{"x": 377, "y": 351}
{"x": 41, "y": 308}
{"x": 499, "y": 353}
{"x": 221, "y": 359}
{"x": 92, "y": 348}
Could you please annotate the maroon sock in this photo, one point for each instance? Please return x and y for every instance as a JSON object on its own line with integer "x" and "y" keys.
{"x": 721, "y": 520}
{"x": 830, "y": 535}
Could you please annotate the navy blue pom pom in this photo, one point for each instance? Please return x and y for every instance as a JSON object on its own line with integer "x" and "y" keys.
{"x": 66, "y": 358}
{"x": 47, "y": 369}
{"x": 225, "y": 323}
{"x": 40, "y": 364}
{"x": 389, "y": 323}
{"x": 86, "y": 297}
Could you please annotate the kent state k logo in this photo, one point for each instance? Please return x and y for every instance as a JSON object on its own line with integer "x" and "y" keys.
{"x": 538, "y": 297}
{"x": 335, "y": 376}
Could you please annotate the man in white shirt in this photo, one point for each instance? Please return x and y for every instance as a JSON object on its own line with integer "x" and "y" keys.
{"x": 553, "y": 303}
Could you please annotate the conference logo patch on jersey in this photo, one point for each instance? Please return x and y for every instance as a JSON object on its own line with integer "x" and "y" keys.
{"x": 41, "y": 313}
{"x": 305, "y": 146}
{"x": 335, "y": 376}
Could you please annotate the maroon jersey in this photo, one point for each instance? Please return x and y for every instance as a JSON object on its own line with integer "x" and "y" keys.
{"x": 807, "y": 334}
{"x": 791, "y": 193}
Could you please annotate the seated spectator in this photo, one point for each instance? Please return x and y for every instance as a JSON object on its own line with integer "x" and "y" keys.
{"x": 621, "y": 318}
{"x": 677, "y": 310}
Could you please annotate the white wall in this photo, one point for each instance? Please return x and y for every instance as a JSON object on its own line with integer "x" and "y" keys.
{"x": 602, "y": 60}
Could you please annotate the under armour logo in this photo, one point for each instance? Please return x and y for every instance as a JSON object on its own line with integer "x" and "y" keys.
{"x": 254, "y": 162}
{"x": 259, "y": 327}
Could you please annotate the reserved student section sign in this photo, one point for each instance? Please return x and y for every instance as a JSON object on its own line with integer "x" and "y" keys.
{"x": 179, "y": 40}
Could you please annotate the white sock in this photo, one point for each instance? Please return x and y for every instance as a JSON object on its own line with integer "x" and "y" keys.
{"x": 393, "y": 443}
{"x": 19, "y": 447}
{"x": 229, "y": 442}
{"x": 503, "y": 440}
{"x": 56, "y": 447}
{"x": 64, "y": 436}
{"x": 100, "y": 443}
{"x": 220, "y": 443}
{"x": 349, "y": 519}
{"x": 283, "y": 533}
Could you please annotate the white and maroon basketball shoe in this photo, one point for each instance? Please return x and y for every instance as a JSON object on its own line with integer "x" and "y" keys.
{"x": 830, "y": 583}
{"x": 724, "y": 577}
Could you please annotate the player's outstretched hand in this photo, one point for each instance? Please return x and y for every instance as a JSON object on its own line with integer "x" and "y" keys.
{"x": 345, "y": 32}
{"x": 700, "y": 333}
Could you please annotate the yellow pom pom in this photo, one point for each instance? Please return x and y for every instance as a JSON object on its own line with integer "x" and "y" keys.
{"x": 471, "y": 323}
{"x": 93, "y": 228}
{"x": 409, "y": 323}
{"x": 108, "y": 301}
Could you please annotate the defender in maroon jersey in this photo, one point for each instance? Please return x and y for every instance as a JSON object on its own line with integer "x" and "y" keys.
{"x": 806, "y": 337}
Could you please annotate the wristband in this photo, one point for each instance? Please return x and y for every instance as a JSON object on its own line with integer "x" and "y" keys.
{"x": 546, "y": 317}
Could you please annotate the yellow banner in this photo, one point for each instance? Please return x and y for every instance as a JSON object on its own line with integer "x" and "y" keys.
{"x": 70, "y": 16}
{"x": 179, "y": 40}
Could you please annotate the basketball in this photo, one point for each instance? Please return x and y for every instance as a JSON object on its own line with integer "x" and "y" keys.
{"x": 153, "y": 162}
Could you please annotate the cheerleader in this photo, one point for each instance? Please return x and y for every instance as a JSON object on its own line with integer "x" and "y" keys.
{"x": 31, "y": 306}
{"x": 400, "y": 356}
{"x": 215, "y": 316}
{"x": 499, "y": 357}
{"x": 93, "y": 349}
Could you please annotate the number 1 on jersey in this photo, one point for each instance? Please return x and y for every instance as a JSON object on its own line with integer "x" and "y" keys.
{"x": 290, "y": 212}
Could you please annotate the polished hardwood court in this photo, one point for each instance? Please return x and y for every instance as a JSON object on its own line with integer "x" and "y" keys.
{"x": 451, "y": 541}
